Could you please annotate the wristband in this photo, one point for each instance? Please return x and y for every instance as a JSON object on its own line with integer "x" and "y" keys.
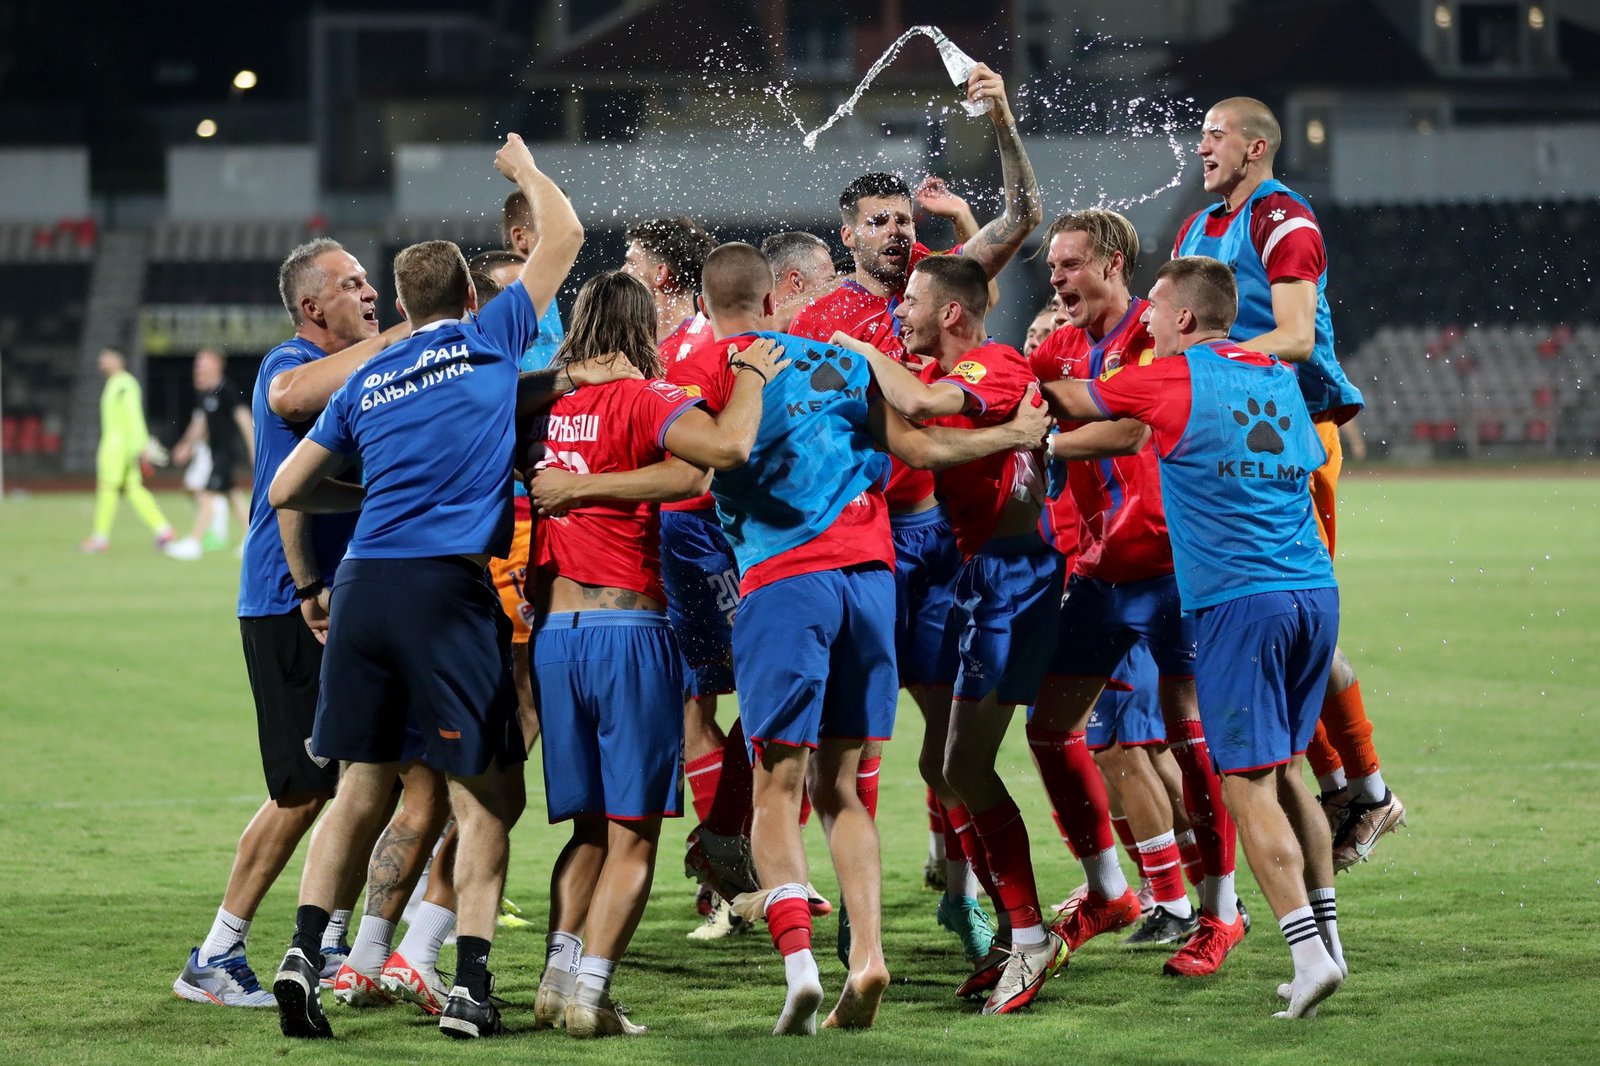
{"x": 311, "y": 591}
{"x": 739, "y": 364}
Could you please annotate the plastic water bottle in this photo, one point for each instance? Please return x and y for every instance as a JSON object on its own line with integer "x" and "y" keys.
{"x": 959, "y": 66}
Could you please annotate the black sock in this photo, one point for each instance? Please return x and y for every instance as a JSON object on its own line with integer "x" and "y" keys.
{"x": 309, "y": 925}
{"x": 472, "y": 966}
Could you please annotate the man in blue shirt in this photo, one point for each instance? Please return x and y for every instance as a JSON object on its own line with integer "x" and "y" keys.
{"x": 1237, "y": 445}
{"x": 415, "y": 628}
{"x": 333, "y": 309}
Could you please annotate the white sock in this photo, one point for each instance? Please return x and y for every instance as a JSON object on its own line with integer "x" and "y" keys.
{"x": 594, "y": 980}
{"x": 1024, "y": 937}
{"x": 1369, "y": 789}
{"x": 1219, "y": 898}
{"x": 1299, "y": 928}
{"x": 1326, "y": 912}
{"x": 338, "y": 929}
{"x": 227, "y": 932}
{"x": 1332, "y": 782}
{"x": 802, "y": 994}
{"x": 959, "y": 880}
{"x": 936, "y": 846}
{"x": 563, "y": 954}
{"x": 219, "y": 520}
{"x": 372, "y": 946}
{"x": 425, "y": 935}
{"x": 1104, "y": 874}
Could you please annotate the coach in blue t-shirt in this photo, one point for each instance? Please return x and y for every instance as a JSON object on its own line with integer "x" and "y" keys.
{"x": 414, "y": 635}
{"x": 1237, "y": 446}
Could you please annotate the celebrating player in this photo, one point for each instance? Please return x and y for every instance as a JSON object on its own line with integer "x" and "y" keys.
{"x": 1236, "y": 446}
{"x": 1007, "y": 590}
{"x": 1268, "y": 235}
{"x": 431, "y": 420}
{"x": 1121, "y": 593}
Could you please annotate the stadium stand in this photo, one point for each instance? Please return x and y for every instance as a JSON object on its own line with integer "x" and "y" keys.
{"x": 44, "y": 276}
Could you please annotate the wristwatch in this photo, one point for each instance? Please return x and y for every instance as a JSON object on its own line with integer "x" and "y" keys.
{"x": 311, "y": 591}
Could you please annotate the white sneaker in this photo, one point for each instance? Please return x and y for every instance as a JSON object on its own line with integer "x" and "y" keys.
{"x": 415, "y": 984}
{"x": 608, "y": 1019}
{"x": 1025, "y": 973}
{"x": 188, "y": 549}
{"x": 721, "y": 922}
{"x": 226, "y": 980}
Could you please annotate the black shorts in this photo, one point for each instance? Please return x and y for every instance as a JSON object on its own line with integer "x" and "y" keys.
{"x": 285, "y": 665}
{"x": 223, "y": 464}
{"x": 420, "y": 643}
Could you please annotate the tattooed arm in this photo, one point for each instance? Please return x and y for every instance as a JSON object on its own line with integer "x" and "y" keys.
{"x": 997, "y": 242}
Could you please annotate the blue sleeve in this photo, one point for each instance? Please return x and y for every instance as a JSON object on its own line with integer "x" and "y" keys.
{"x": 509, "y": 321}
{"x": 332, "y": 430}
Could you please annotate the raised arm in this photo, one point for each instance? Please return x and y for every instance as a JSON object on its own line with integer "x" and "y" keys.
{"x": 995, "y": 244}
{"x": 725, "y": 442}
{"x": 560, "y": 232}
{"x": 556, "y": 491}
{"x": 937, "y": 199}
{"x": 904, "y": 391}
{"x": 300, "y": 394}
{"x": 938, "y": 447}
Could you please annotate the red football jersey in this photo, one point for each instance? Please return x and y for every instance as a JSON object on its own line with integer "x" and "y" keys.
{"x": 859, "y": 535}
{"x": 692, "y": 343}
{"x": 995, "y": 377}
{"x": 858, "y": 313}
{"x": 1124, "y": 528}
{"x": 681, "y": 341}
{"x": 593, "y": 430}
{"x": 1284, "y": 232}
{"x": 1060, "y": 527}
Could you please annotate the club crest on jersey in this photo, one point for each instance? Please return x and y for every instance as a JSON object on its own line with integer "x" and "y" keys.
{"x": 970, "y": 371}
{"x": 1111, "y": 372}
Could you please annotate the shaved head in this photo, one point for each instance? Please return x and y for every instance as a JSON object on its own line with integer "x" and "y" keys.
{"x": 736, "y": 279}
{"x": 1255, "y": 119}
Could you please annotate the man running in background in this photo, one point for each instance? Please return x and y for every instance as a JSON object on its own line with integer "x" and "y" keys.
{"x": 221, "y": 421}
{"x": 123, "y": 442}
{"x": 1268, "y": 235}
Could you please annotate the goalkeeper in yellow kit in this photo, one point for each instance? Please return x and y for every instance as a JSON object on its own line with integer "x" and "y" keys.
{"x": 123, "y": 442}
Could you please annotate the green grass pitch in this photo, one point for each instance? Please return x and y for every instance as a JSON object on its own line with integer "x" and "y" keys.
{"x": 1471, "y": 607}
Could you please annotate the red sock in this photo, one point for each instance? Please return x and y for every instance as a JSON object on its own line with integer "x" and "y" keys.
{"x": 703, "y": 774}
{"x": 1075, "y": 787}
{"x": 1065, "y": 839}
{"x": 1202, "y": 799}
{"x": 1005, "y": 842}
{"x": 805, "y": 808}
{"x": 1320, "y": 753}
{"x": 1129, "y": 844}
{"x": 962, "y": 836}
{"x": 936, "y": 817}
{"x": 867, "y": 784}
{"x": 730, "y": 807}
{"x": 789, "y": 922}
{"x": 1163, "y": 866}
{"x": 1350, "y": 731}
{"x": 1189, "y": 852}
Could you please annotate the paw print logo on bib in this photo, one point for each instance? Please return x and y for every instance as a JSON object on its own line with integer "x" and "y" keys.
{"x": 1263, "y": 437}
